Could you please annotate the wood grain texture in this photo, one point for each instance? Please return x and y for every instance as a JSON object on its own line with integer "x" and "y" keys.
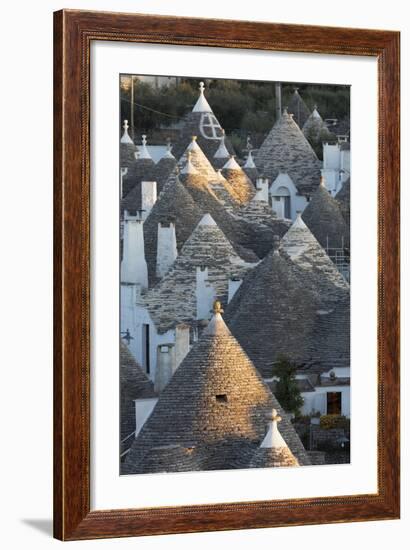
{"x": 73, "y": 33}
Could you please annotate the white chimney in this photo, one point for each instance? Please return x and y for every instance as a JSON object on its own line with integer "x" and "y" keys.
{"x": 181, "y": 343}
{"x": 205, "y": 294}
{"x": 148, "y": 196}
{"x": 262, "y": 187}
{"x": 165, "y": 366}
{"x": 233, "y": 284}
{"x": 166, "y": 247}
{"x": 124, "y": 172}
{"x": 133, "y": 266}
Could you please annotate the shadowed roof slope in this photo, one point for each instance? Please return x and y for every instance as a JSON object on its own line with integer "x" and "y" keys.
{"x": 323, "y": 217}
{"x": 286, "y": 150}
{"x": 217, "y": 402}
{"x": 306, "y": 252}
{"x": 343, "y": 200}
{"x": 164, "y": 168}
{"x": 298, "y": 108}
{"x": 315, "y": 129}
{"x": 134, "y": 384}
{"x": 291, "y": 307}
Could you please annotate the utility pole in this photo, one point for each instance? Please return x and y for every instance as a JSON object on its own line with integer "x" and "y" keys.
{"x": 278, "y": 94}
{"x": 132, "y": 108}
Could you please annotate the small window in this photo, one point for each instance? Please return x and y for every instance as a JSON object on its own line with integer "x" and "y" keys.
{"x": 221, "y": 398}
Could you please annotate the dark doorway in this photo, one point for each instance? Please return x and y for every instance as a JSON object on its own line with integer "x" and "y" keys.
{"x": 145, "y": 348}
{"x": 334, "y": 402}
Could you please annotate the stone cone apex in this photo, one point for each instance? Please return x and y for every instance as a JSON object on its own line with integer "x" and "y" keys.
{"x": 126, "y": 138}
{"x": 193, "y": 155}
{"x": 216, "y": 402}
{"x": 202, "y": 105}
{"x": 231, "y": 164}
{"x": 315, "y": 113}
{"x": 273, "y": 451}
{"x": 222, "y": 152}
{"x": 298, "y": 108}
{"x": 207, "y": 220}
{"x": 325, "y": 220}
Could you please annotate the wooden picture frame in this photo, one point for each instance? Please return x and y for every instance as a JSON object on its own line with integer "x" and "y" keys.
{"x": 74, "y": 32}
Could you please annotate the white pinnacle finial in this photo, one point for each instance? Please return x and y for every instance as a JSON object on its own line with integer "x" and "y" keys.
{"x": 189, "y": 168}
{"x": 298, "y": 223}
{"x": 144, "y": 153}
{"x": 168, "y": 153}
{"x": 273, "y": 438}
{"x": 125, "y": 138}
{"x": 193, "y": 146}
{"x": 249, "y": 161}
{"x": 222, "y": 152}
{"x": 202, "y": 106}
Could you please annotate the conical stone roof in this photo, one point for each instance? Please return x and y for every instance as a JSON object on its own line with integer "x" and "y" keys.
{"x": 169, "y": 458}
{"x": 239, "y": 181}
{"x": 216, "y": 402}
{"x": 315, "y": 129}
{"x": 298, "y": 108}
{"x": 286, "y": 150}
{"x": 201, "y": 122}
{"x": 323, "y": 217}
{"x": 173, "y": 299}
{"x": 343, "y": 200}
{"x": 273, "y": 452}
{"x": 177, "y": 205}
{"x": 127, "y": 148}
{"x": 222, "y": 154}
{"x": 164, "y": 168}
{"x": 140, "y": 170}
{"x": 307, "y": 253}
{"x": 290, "y": 306}
{"x": 134, "y": 384}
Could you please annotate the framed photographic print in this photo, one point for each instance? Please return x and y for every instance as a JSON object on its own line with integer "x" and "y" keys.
{"x": 226, "y": 275}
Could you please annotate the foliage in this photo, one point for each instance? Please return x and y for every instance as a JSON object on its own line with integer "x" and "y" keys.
{"x": 287, "y": 390}
{"x": 241, "y": 106}
{"x": 330, "y": 421}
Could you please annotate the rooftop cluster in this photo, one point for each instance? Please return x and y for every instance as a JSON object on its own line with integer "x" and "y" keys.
{"x": 228, "y": 264}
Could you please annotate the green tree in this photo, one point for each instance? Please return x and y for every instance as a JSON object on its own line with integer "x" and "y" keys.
{"x": 287, "y": 391}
